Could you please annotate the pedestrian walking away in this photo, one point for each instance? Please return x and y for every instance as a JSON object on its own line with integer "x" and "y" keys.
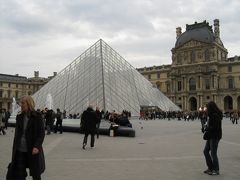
{"x": 89, "y": 121}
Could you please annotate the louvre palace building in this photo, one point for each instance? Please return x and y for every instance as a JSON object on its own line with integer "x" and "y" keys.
{"x": 200, "y": 71}
{"x": 17, "y": 86}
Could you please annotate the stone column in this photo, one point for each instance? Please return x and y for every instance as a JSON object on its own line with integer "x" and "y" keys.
{"x": 183, "y": 84}
{"x": 186, "y": 103}
{"x": 201, "y": 100}
{"x": 198, "y": 102}
{"x": 201, "y": 82}
{"x": 186, "y": 84}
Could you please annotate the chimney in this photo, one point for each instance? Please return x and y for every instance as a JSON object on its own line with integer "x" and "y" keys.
{"x": 178, "y": 32}
{"x": 36, "y": 74}
{"x": 216, "y": 28}
{"x": 54, "y": 73}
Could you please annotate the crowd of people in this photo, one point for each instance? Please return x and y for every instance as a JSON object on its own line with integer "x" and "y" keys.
{"x": 30, "y": 131}
{"x": 184, "y": 115}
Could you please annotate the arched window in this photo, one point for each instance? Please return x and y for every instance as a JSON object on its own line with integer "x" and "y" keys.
{"x": 228, "y": 103}
{"x": 192, "y": 84}
{"x": 193, "y": 103}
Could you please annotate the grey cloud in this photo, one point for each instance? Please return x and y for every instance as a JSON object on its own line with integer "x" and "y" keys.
{"x": 142, "y": 31}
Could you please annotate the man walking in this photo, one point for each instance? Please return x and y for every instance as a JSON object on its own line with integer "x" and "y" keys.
{"x": 88, "y": 121}
{"x": 59, "y": 117}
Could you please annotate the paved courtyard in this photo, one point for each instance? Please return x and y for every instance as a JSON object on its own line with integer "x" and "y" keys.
{"x": 161, "y": 150}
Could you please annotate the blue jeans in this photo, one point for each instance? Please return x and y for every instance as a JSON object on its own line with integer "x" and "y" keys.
{"x": 211, "y": 158}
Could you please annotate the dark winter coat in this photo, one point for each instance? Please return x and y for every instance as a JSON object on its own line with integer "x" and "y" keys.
{"x": 89, "y": 121}
{"x": 50, "y": 117}
{"x": 34, "y": 137}
{"x": 99, "y": 116}
{"x": 214, "y": 126}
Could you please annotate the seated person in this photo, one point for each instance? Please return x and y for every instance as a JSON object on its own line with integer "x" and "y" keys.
{"x": 124, "y": 121}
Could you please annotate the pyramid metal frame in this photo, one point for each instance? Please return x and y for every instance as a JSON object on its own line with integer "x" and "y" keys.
{"x": 101, "y": 77}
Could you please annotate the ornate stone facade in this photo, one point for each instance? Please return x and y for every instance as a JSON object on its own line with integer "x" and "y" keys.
{"x": 200, "y": 71}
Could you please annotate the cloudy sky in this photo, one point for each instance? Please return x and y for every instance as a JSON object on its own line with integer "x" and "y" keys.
{"x": 46, "y": 35}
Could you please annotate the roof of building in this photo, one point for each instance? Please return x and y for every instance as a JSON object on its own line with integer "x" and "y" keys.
{"x": 198, "y": 31}
{"x": 168, "y": 66}
{"x": 7, "y": 77}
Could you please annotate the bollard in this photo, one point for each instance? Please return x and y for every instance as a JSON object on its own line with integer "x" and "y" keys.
{"x": 111, "y": 134}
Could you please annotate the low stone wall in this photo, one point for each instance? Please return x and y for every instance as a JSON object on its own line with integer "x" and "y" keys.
{"x": 70, "y": 126}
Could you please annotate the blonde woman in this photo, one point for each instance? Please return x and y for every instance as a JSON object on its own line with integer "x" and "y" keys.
{"x": 27, "y": 145}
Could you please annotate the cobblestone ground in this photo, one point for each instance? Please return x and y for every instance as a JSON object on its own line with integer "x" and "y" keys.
{"x": 161, "y": 150}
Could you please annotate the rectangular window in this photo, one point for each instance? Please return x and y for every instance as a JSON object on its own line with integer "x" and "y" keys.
{"x": 16, "y": 94}
{"x": 158, "y": 75}
{"x": 192, "y": 84}
{"x": 167, "y": 87}
{"x": 207, "y": 84}
{"x": 16, "y": 85}
{"x": 9, "y": 93}
{"x": 9, "y": 84}
{"x": 149, "y": 76}
{"x": 230, "y": 83}
{"x": 1, "y": 93}
{"x": 229, "y": 68}
{"x": 9, "y": 105}
{"x": 179, "y": 85}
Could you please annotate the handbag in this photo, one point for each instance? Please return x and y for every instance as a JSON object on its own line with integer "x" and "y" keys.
{"x": 10, "y": 172}
{"x": 206, "y": 135}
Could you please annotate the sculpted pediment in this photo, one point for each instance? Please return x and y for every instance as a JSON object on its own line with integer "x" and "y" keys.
{"x": 192, "y": 43}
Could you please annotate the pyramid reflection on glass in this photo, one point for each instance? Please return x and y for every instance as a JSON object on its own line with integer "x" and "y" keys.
{"x": 101, "y": 77}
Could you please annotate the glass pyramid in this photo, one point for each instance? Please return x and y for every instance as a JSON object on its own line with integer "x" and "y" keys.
{"x": 101, "y": 77}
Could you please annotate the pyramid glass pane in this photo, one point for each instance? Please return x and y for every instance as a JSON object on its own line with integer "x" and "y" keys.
{"x": 101, "y": 77}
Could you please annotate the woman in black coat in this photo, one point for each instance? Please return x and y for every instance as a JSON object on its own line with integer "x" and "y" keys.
{"x": 27, "y": 146}
{"x": 214, "y": 131}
